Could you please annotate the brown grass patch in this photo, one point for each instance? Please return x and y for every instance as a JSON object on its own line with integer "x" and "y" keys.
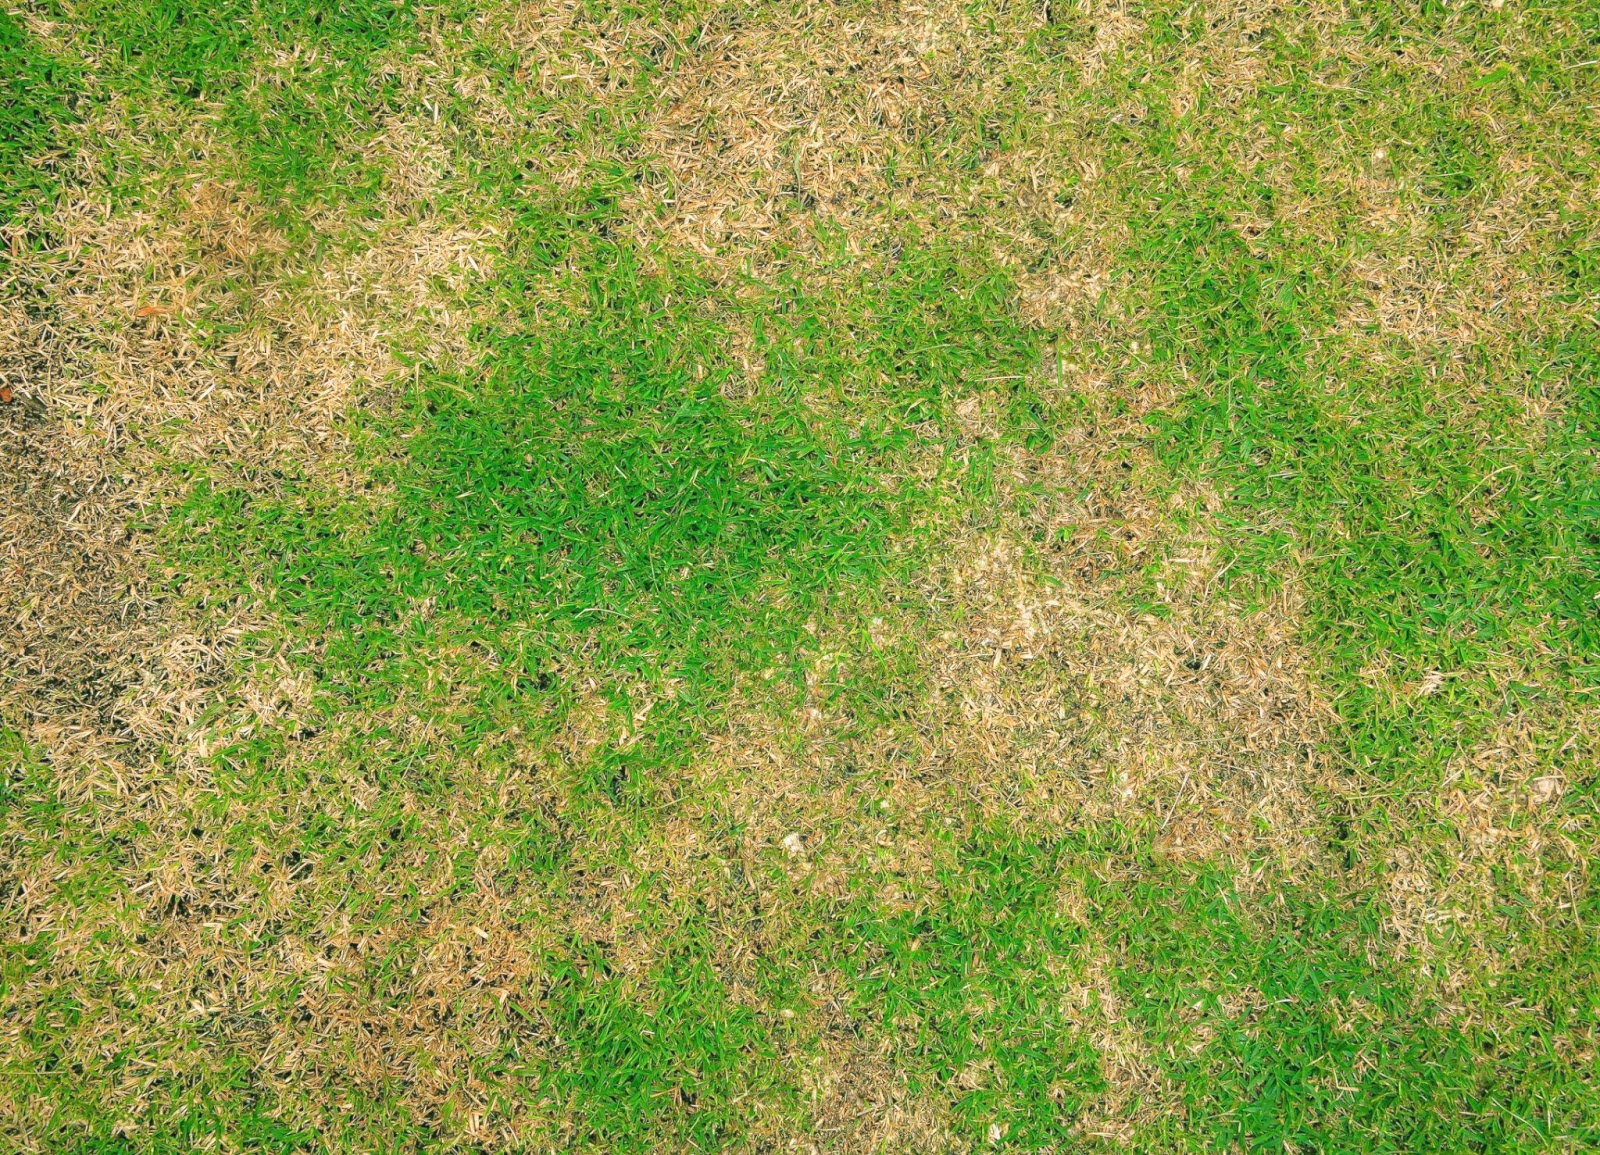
{"x": 1483, "y": 287}
{"x": 849, "y": 118}
{"x": 1049, "y": 702}
{"x": 1500, "y": 835}
{"x": 859, "y": 1100}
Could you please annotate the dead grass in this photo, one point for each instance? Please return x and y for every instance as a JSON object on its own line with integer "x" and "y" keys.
{"x": 1052, "y": 702}
{"x": 849, "y": 118}
{"x": 111, "y": 343}
{"x": 1480, "y": 289}
{"x": 859, "y": 1101}
{"x": 1500, "y": 831}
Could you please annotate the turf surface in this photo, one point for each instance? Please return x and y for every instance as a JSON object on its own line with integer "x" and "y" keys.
{"x": 602, "y": 735}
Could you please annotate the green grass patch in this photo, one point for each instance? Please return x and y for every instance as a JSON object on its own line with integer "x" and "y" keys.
{"x": 590, "y": 487}
{"x": 295, "y": 84}
{"x": 38, "y": 95}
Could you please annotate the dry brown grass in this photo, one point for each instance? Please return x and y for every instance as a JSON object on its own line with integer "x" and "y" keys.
{"x": 106, "y": 346}
{"x": 1496, "y": 814}
{"x": 1480, "y": 289}
{"x": 851, "y": 118}
{"x": 1050, "y": 702}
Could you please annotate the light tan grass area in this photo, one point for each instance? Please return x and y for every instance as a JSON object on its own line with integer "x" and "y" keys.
{"x": 573, "y": 61}
{"x": 1495, "y": 813}
{"x": 1480, "y": 289}
{"x": 817, "y": 117}
{"x": 1055, "y": 707}
{"x": 1051, "y": 703}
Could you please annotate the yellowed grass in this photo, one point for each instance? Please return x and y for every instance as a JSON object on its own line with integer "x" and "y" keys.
{"x": 810, "y": 118}
{"x": 102, "y": 337}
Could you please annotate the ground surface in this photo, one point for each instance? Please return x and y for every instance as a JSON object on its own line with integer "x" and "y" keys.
{"x": 842, "y": 577}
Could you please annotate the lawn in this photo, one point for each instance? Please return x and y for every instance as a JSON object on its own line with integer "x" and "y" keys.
{"x": 704, "y": 575}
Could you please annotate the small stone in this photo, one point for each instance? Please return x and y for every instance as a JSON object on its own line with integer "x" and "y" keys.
{"x": 793, "y": 843}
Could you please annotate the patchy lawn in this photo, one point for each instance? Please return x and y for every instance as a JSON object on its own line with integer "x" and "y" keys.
{"x": 842, "y": 576}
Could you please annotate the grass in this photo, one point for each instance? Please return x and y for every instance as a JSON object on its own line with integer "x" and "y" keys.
{"x": 293, "y": 83}
{"x": 39, "y": 95}
{"x": 735, "y": 674}
{"x": 1439, "y": 496}
{"x": 597, "y": 483}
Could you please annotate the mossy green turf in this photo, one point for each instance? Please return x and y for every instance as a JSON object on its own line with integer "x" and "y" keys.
{"x": 593, "y": 494}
